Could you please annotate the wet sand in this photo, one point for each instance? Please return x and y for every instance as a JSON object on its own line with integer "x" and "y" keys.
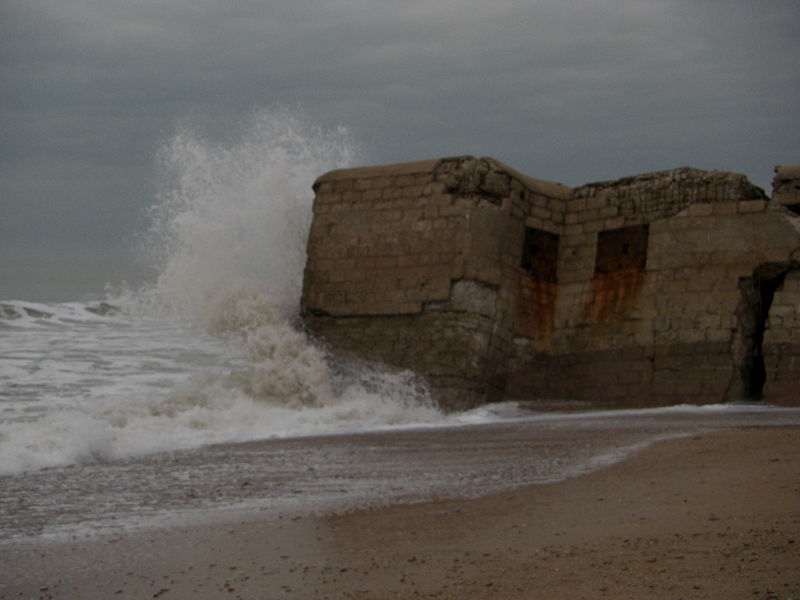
{"x": 715, "y": 515}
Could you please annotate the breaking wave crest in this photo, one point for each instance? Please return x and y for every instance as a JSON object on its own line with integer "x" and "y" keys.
{"x": 236, "y": 215}
{"x": 231, "y": 228}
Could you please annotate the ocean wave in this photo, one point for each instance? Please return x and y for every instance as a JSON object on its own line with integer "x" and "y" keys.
{"x": 204, "y": 410}
{"x": 24, "y": 313}
{"x": 210, "y": 353}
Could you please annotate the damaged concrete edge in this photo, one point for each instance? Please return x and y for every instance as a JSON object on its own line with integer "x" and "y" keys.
{"x": 392, "y": 170}
{"x": 787, "y": 172}
{"x": 708, "y": 176}
{"x": 465, "y": 296}
{"x": 551, "y": 189}
{"x": 757, "y": 292}
{"x": 439, "y": 165}
{"x": 786, "y": 188}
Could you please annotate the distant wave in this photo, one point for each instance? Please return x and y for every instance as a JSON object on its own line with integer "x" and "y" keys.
{"x": 27, "y": 313}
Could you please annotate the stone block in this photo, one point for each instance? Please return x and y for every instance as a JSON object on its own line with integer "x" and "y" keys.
{"x": 392, "y": 193}
{"x": 441, "y": 200}
{"x": 686, "y": 298}
{"x": 343, "y": 185}
{"x": 725, "y": 208}
{"x": 699, "y": 284}
{"x": 371, "y": 196}
{"x": 614, "y": 223}
{"x": 702, "y": 209}
{"x": 786, "y": 185}
{"x": 751, "y": 206}
{"x": 592, "y": 227}
{"x": 474, "y": 297}
{"x": 542, "y": 213}
{"x": 576, "y": 204}
{"x": 596, "y": 202}
{"x": 451, "y": 210}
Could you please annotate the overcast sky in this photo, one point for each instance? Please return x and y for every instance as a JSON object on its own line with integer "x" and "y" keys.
{"x": 572, "y": 91}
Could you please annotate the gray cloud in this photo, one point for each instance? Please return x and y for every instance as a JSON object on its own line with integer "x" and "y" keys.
{"x": 566, "y": 91}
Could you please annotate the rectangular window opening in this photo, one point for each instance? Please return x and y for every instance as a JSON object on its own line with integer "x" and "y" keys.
{"x": 621, "y": 249}
{"x": 540, "y": 254}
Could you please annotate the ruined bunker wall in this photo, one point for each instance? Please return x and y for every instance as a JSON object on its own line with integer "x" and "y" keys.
{"x": 382, "y": 241}
{"x": 638, "y": 291}
{"x": 699, "y": 263}
{"x": 497, "y": 237}
{"x": 655, "y": 329}
{"x": 786, "y": 187}
{"x": 448, "y": 349}
{"x": 416, "y": 264}
{"x": 610, "y": 269}
{"x": 781, "y": 343}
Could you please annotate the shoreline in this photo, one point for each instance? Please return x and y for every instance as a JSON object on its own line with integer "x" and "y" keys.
{"x": 711, "y": 515}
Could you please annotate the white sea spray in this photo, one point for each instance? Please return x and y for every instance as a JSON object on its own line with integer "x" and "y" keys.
{"x": 211, "y": 352}
{"x": 236, "y": 215}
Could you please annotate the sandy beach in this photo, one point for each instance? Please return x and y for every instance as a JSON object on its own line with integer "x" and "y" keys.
{"x": 715, "y": 515}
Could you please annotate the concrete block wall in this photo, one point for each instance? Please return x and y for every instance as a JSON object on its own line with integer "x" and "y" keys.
{"x": 416, "y": 265}
{"x": 666, "y": 333}
{"x": 786, "y": 187}
{"x": 782, "y": 343}
{"x": 651, "y": 302}
{"x": 382, "y": 241}
{"x": 626, "y": 301}
{"x": 448, "y": 349}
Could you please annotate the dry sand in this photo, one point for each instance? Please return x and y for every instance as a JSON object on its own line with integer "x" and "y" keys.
{"x": 711, "y": 516}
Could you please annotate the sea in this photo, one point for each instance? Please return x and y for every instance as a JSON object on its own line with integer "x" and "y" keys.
{"x": 196, "y": 396}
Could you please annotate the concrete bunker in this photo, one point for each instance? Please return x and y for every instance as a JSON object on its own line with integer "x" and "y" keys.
{"x": 676, "y": 286}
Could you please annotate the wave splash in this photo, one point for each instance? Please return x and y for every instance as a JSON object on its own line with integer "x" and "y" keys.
{"x": 237, "y": 215}
{"x": 232, "y": 228}
{"x": 228, "y": 233}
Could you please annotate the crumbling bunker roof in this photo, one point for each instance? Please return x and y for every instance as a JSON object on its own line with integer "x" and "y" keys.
{"x": 470, "y": 169}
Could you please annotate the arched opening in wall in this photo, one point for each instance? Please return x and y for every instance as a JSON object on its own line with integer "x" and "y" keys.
{"x": 757, "y": 293}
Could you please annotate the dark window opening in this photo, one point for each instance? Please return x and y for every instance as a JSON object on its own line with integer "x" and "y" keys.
{"x": 621, "y": 249}
{"x": 795, "y": 208}
{"x": 540, "y": 254}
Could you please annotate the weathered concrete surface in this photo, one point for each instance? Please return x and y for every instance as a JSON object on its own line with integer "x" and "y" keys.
{"x": 674, "y": 286}
{"x": 416, "y": 265}
{"x": 786, "y": 186}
